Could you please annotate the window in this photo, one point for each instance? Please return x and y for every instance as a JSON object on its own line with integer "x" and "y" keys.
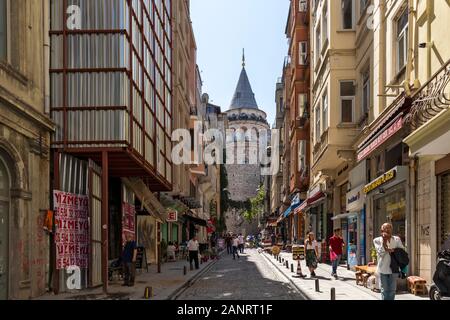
{"x": 325, "y": 22}
{"x": 366, "y": 91}
{"x": 303, "y": 53}
{"x": 302, "y": 104}
{"x": 402, "y": 40}
{"x": 363, "y": 6}
{"x": 317, "y": 115}
{"x": 301, "y": 155}
{"x": 302, "y": 5}
{"x": 325, "y": 111}
{"x": 318, "y": 44}
{"x": 348, "y": 14}
{"x": 347, "y": 92}
{"x": 3, "y": 29}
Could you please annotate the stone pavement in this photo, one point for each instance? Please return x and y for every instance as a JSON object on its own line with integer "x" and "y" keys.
{"x": 345, "y": 286}
{"x": 251, "y": 277}
{"x": 164, "y": 284}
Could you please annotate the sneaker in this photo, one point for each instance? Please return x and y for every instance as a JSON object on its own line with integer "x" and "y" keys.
{"x": 336, "y": 276}
{"x": 313, "y": 274}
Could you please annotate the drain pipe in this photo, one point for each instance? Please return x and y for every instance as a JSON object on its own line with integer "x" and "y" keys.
{"x": 46, "y": 53}
{"x": 409, "y": 65}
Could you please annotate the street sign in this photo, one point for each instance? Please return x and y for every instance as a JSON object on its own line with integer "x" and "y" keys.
{"x": 298, "y": 252}
{"x": 172, "y": 216}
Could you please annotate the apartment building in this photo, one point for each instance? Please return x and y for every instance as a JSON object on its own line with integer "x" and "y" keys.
{"x": 25, "y": 130}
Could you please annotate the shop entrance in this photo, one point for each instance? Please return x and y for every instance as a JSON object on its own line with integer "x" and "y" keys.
{"x": 4, "y": 229}
{"x": 444, "y": 208}
{"x": 392, "y": 208}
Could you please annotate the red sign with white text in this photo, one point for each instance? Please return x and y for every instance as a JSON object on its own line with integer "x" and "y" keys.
{"x": 172, "y": 216}
{"x": 382, "y": 138}
{"x": 72, "y": 229}
{"x": 128, "y": 221}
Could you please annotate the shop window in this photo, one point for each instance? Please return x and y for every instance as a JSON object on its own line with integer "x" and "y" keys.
{"x": 444, "y": 212}
{"x": 391, "y": 207}
{"x": 394, "y": 157}
{"x": 402, "y": 40}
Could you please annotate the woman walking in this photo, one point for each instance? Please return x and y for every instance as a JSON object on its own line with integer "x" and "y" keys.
{"x": 311, "y": 253}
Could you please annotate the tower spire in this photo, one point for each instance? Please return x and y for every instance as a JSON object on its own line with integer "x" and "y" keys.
{"x": 243, "y": 57}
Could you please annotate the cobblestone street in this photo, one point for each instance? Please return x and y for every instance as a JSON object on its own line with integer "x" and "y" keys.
{"x": 251, "y": 277}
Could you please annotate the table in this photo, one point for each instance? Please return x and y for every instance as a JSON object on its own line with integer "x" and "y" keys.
{"x": 366, "y": 269}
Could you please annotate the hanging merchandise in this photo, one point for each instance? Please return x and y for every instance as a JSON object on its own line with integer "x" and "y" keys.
{"x": 48, "y": 222}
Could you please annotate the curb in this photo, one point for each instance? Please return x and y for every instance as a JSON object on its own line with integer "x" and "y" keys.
{"x": 302, "y": 293}
{"x": 179, "y": 291}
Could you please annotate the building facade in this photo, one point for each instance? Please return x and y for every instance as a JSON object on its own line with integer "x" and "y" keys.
{"x": 112, "y": 102}
{"x": 25, "y": 129}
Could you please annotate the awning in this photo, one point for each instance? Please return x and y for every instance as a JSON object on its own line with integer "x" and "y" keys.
{"x": 319, "y": 196}
{"x": 195, "y": 220}
{"x": 344, "y": 215}
{"x": 287, "y": 212}
{"x": 147, "y": 198}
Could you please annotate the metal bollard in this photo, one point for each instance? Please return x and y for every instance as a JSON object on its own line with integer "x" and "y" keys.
{"x": 282, "y": 260}
{"x": 287, "y": 264}
{"x": 184, "y": 270}
{"x": 292, "y": 267}
{"x": 148, "y": 293}
{"x": 333, "y": 294}
{"x": 317, "y": 285}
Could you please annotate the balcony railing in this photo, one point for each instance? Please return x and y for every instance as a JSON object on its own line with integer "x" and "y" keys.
{"x": 431, "y": 99}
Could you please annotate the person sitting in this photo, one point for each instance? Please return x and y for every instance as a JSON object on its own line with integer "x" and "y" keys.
{"x": 171, "y": 252}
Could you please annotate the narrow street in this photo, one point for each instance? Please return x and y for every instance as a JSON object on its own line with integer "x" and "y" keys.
{"x": 252, "y": 277}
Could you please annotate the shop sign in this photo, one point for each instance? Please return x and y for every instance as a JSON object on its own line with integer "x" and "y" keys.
{"x": 381, "y": 138}
{"x": 388, "y": 176}
{"x": 298, "y": 252}
{"x": 355, "y": 200}
{"x": 72, "y": 229}
{"x": 128, "y": 221}
{"x": 172, "y": 216}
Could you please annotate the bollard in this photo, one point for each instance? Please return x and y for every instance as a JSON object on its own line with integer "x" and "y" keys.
{"x": 148, "y": 293}
{"x": 184, "y": 270}
{"x": 287, "y": 264}
{"x": 333, "y": 294}
{"x": 292, "y": 267}
{"x": 282, "y": 260}
{"x": 317, "y": 285}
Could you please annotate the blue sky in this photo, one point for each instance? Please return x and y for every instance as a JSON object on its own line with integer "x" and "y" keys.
{"x": 222, "y": 28}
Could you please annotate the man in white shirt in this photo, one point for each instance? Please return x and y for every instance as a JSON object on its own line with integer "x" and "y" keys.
{"x": 193, "y": 251}
{"x": 235, "y": 248}
{"x": 384, "y": 246}
{"x": 241, "y": 243}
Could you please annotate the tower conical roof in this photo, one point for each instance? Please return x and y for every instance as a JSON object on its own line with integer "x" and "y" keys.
{"x": 243, "y": 95}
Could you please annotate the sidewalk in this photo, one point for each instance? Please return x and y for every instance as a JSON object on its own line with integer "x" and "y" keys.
{"x": 345, "y": 286}
{"x": 164, "y": 284}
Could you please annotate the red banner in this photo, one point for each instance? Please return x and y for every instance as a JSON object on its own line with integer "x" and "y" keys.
{"x": 72, "y": 229}
{"x": 128, "y": 220}
{"x": 386, "y": 134}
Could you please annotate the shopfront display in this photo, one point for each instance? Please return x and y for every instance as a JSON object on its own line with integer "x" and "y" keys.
{"x": 392, "y": 208}
{"x": 444, "y": 208}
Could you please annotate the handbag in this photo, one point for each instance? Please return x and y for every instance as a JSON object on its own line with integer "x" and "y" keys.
{"x": 333, "y": 256}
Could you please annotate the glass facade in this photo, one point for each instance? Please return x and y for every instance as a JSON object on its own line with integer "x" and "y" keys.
{"x": 391, "y": 208}
{"x": 111, "y": 79}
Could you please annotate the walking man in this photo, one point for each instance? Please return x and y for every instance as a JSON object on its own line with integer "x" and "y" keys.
{"x": 229, "y": 243}
{"x": 336, "y": 244}
{"x": 193, "y": 251}
{"x": 129, "y": 261}
{"x": 241, "y": 243}
{"x": 384, "y": 246}
{"x": 235, "y": 248}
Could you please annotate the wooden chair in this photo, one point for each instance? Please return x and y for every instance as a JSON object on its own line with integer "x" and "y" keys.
{"x": 365, "y": 278}
{"x": 417, "y": 285}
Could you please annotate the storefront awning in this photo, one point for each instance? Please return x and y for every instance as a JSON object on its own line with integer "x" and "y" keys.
{"x": 195, "y": 220}
{"x": 344, "y": 215}
{"x": 319, "y": 196}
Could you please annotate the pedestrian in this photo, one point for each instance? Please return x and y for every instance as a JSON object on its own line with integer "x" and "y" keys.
{"x": 235, "y": 248}
{"x": 229, "y": 243}
{"x": 273, "y": 238}
{"x": 129, "y": 260}
{"x": 336, "y": 244}
{"x": 311, "y": 253}
{"x": 171, "y": 255}
{"x": 241, "y": 243}
{"x": 193, "y": 251}
{"x": 385, "y": 245}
